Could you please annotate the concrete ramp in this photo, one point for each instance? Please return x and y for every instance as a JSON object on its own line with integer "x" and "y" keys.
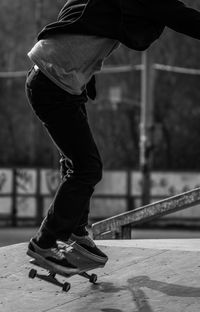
{"x": 141, "y": 276}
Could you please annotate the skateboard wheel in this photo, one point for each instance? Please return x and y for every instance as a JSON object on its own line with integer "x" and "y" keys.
{"x": 32, "y": 273}
{"x": 66, "y": 287}
{"x": 93, "y": 278}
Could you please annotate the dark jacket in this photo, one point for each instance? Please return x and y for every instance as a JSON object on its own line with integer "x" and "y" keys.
{"x": 135, "y": 23}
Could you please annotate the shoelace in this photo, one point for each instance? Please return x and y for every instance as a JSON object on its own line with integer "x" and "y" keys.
{"x": 58, "y": 253}
{"x": 67, "y": 248}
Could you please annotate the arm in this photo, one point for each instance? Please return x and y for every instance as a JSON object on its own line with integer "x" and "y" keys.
{"x": 175, "y": 15}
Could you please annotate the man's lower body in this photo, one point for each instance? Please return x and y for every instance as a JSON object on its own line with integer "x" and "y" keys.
{"x": 65, "y": 118}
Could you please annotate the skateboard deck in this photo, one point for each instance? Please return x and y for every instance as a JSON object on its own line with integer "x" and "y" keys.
{"x": 83, "y": 263}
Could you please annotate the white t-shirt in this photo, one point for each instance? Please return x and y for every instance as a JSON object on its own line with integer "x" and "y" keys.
{"x": 71, "y": 60}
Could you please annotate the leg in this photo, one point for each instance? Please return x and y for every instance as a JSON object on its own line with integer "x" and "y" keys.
{"x": 66, "y": 170}
{"x": 63, "y": 116}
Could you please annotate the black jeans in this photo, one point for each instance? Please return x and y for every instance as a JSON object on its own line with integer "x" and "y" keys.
{"x": 65, "y": 118}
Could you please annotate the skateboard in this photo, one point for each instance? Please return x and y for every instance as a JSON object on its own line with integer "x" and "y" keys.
{"x": 82, "y": 262}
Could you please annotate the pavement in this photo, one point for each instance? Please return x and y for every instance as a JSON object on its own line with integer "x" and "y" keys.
{"x": 140, "y": 276}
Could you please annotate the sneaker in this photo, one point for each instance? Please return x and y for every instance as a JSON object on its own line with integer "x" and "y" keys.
{"x": 52, "y": 256}
{"x": 86, "y": 246}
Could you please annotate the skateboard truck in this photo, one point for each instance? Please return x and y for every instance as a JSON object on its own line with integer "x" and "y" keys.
{"x": 51, "y": 277}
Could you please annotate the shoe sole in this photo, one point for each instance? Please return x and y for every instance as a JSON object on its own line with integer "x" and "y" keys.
{"x": 58, "y": 268}
{"x": 87, "y": 253}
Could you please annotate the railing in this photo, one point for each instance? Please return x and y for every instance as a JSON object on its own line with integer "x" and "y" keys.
{"x": 120, "y": 226}
{"x": 26, "y": 193}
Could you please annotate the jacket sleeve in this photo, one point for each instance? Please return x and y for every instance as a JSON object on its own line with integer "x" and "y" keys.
{"x": 175, "y": 15}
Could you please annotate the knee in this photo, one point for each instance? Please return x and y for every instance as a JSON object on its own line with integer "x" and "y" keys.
{"x": 98, "y": 174}
{"x": 92, "y": 175}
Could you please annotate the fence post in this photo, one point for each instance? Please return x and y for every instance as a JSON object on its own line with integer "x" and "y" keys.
{"x": 130, "y": 202}
{"x": 39, "y": 201}
{"x": 14, "y": 199}
{"x": 146, "y": 123}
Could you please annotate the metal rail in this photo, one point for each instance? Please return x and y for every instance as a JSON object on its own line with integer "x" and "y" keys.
{"x": 119, "y": 226}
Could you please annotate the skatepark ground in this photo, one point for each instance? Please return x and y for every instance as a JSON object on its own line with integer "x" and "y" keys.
{"x": 144, "y": 275}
